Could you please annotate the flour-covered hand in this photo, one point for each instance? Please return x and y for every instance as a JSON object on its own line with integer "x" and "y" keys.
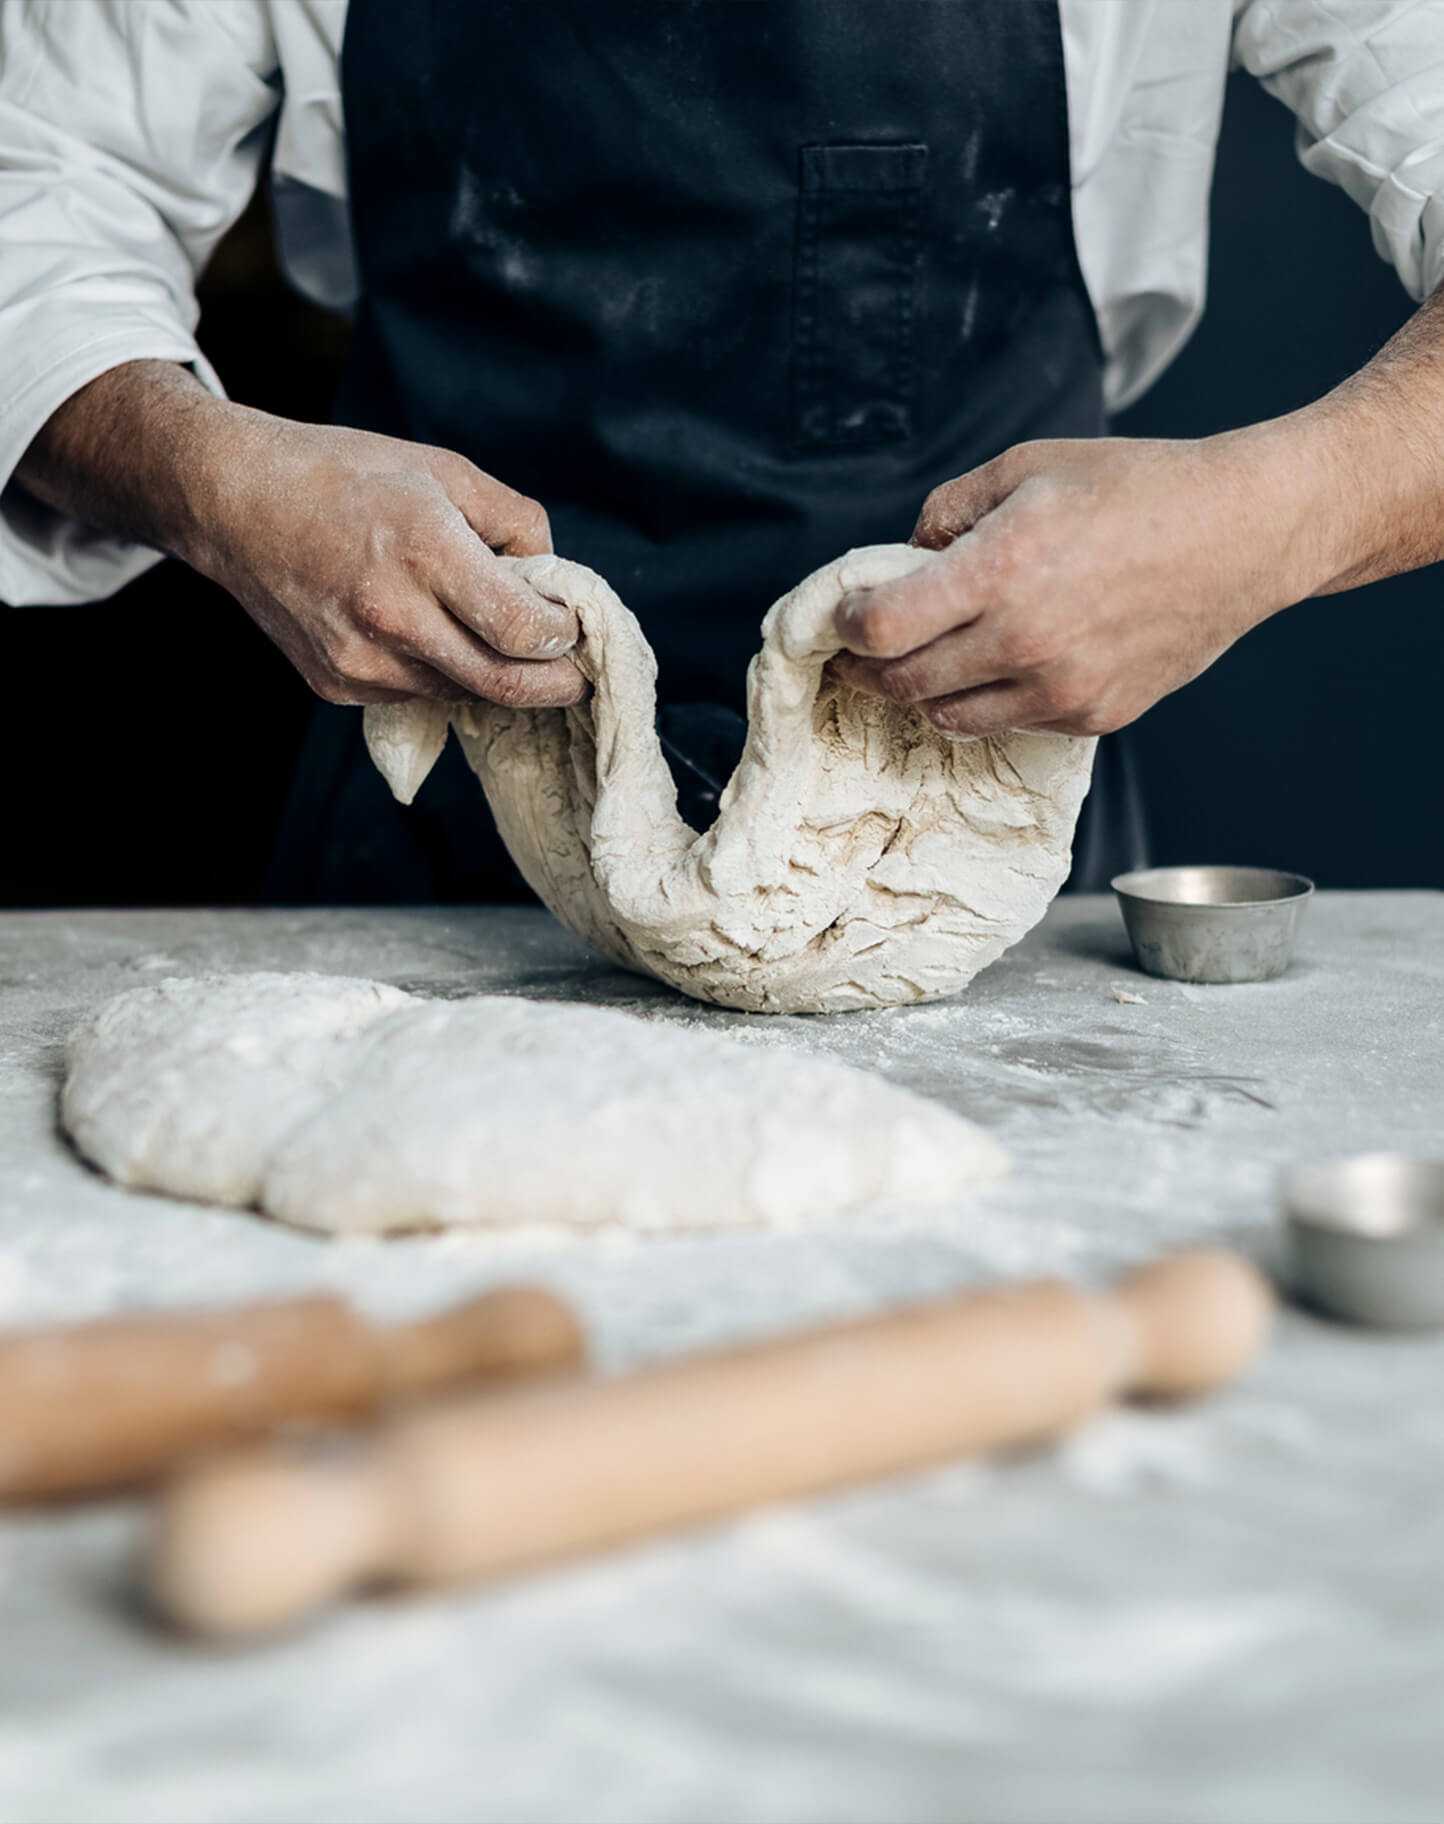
{"x": 1080, "y": 581}
{"x": 372, "y": 563}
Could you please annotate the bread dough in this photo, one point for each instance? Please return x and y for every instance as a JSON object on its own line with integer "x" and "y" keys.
{"x": 859, "y": 857}
{"x": 349, "y": 1106}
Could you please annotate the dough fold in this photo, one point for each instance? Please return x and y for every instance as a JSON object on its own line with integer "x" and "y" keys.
{"x": 859, "y": 857}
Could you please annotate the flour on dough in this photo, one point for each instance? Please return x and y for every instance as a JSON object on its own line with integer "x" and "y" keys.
{"x": 349, "y": 1106}
{"x": 859, "y": 857}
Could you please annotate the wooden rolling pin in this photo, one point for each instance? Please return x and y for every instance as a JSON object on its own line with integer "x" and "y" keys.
{"x": 475, "y": 1488}
{"x": 107, "y": 1404}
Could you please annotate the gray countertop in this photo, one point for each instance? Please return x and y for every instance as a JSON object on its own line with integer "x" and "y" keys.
{"x": 1230, "y": 1612}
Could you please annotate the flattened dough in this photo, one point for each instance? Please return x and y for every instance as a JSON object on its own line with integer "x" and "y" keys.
{"x": 349, "y": 1106}
{"x": 859, "y": 858}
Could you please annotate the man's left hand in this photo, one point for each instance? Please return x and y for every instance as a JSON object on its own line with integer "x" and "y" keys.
{"x": 1080, "y": 581}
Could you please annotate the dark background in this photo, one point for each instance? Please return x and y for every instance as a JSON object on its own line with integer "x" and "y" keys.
{"x": 1313, "y": 743}
{"x": 129, "y": 731}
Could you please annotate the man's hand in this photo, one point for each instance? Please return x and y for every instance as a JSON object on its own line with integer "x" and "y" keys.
{"x": 1079, "y": 582}
{"x": 369, "y": 561}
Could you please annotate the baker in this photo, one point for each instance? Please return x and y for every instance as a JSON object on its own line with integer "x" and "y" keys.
{"x": 705, "y": 293}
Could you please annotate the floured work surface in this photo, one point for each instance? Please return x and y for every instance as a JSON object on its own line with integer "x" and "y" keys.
{"x": 1229, "y": 1613}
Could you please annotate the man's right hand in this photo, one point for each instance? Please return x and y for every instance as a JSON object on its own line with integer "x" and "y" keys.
{"x": 371, "y": 562}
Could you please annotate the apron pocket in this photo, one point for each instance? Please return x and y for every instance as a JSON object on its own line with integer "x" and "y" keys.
{"x": 856, "y": 284}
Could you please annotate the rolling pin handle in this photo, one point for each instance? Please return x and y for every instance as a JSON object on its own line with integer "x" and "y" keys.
{"x": 253, "y": 1539}
{"x": 505, "y": 1334}
{"x": 1198, "y": 1319}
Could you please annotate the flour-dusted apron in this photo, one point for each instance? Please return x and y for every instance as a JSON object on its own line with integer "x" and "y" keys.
{"x": 728, "y": 287}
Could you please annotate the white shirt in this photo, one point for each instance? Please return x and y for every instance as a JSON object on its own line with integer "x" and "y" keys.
{"x": 133, "y": 131}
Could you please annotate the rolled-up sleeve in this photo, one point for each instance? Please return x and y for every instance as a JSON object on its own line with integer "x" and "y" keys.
{"x": 131, "y": 136}
{"x": 1365, "y": 80}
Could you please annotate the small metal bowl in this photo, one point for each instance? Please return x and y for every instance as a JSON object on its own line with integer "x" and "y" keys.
{"x": 1212, "y": 924}
{"x": 1366, "y": 1238}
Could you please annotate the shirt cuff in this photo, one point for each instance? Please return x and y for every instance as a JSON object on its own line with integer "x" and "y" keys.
{"x": 47, "y": 557}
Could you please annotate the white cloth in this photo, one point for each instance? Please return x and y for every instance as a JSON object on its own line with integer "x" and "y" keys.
{"x": 133, "y": 131}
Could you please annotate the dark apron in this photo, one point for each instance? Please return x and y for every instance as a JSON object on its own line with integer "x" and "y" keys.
{"x": 728, "y": 287}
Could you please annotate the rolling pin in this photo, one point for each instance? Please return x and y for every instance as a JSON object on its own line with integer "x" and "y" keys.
{"x": 469, "y": 1488}
{"x": 107, "y": 1404}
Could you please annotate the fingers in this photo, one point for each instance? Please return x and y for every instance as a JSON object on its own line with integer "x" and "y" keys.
{"x": 397, "y": 640}
{"x": 452, "y": 649}
{"x": 438, "y": 614}
{"x": 500, "y": 517}
{"x": 963, "y": 691}
{"x": 899, "y": 617}
{"x": 958, "y": 683}
{"x": 381, "y": 677}
{"x": 969, "y": 520}
{"x": 488, "y": 598}
{"x": 1003, "y": 708}
{"x": 1011, "y": 707}
{"x": 961, "y": 660}
{"x": 461, "y": 670}
{"x": 388, "y": 585}
{"x": 509, "y": 616}
{"x": 957, "y": 506}
{"x": 1016, "y": 665}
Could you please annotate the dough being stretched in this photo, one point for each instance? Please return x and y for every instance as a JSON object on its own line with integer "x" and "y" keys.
{"x": 859, "y": 857}
{"x": 348, "y": 1106}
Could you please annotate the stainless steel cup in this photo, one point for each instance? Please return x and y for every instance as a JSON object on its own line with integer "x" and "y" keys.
{"x": 1366, "y": 1238}
{"x": 1212, "y": 924}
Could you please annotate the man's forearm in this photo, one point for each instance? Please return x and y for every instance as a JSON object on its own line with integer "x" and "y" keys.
{"x": 1371, "y": 456}
{"x": 134, "y": 454}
